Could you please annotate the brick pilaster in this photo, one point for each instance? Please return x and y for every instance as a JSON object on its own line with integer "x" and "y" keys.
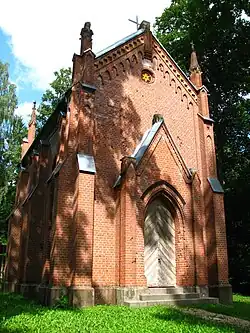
{"x": 199, "y": 228}
{"x": 15, "y": 228}
{"x": 128, "y": 226}
{"x": 221, "y": 240}
{"x": 84, "y": 231}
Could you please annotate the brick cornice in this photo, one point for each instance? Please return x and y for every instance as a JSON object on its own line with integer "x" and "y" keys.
{"x": 171, "y": 66}
{"x": 119, "y": 52}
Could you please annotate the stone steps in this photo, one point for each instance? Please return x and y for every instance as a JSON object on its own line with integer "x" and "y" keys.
{"x": 171, "y": 290}
{"x": 156, "y": 297}
{"x": 171, "y": 296}
{"x": 187, "y": 301}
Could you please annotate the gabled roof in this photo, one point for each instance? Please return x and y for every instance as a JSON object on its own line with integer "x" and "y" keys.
{"x": 136, "y": 34}
{"x": 119, "y": 43}
{"x": 62, "y": 104}
{"x": 146, "y": 141}
{"x": 143, "y": 146}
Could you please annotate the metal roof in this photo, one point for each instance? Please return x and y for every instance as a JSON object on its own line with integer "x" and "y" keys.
{"x": 86, "y": 163}
{"x": 146, "y": 141}
{"x": 119, "y": 43}
{"x": 215, "y": 185}
{"x": 205, "y": 118}
{"x": 143, "y": 145}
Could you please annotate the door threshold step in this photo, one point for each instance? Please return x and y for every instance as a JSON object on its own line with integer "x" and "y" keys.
{"x": 138, "y": 304}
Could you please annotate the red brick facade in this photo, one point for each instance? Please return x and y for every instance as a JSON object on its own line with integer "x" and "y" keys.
{"x": 72, "y": 227}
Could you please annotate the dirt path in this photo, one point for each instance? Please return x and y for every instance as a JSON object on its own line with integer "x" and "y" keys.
{"x": 219, "y": 318}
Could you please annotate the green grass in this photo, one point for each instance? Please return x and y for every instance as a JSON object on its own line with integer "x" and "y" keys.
{"x": 19, "y": 315}
{"x": 239, "y": 309}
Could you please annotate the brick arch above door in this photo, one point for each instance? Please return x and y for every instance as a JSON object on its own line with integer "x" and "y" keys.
{"x": 162, "y": 187}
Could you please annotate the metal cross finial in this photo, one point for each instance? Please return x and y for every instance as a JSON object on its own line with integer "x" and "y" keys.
{"x": 136, "y": 22}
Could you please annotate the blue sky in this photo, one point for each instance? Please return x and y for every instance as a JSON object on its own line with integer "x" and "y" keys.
{"x": 38, "y": 38}
{"x": 25, "y": 92}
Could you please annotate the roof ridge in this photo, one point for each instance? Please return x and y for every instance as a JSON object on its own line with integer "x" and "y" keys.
{"x": 119, "y": 43}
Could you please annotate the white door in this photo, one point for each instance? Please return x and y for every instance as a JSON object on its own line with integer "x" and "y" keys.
{"x": 159, "y": 245}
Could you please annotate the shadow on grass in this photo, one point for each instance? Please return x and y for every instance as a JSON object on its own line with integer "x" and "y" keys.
{"x": 239, "y": 309}
{"x": 14, "y": 330}
{"x": 199, "y": 324}
{"x": 12, "y": 305}
{"x": 100, "y": 319}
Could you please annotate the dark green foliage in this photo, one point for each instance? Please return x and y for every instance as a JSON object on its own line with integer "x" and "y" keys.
{"x": 12, "y": 132}
{"x": 221, "y": 37}
{"x": 62, "y": 303}
{"x": 19, "y": 315}
{"x": 50, "y": 98}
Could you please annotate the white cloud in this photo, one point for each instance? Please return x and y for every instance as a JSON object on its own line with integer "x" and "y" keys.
{"x": 45, "y": 34}
{"x": 24, "y": 110}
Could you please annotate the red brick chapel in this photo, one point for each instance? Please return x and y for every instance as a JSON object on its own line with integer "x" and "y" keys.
{"x": 118, "y": 200}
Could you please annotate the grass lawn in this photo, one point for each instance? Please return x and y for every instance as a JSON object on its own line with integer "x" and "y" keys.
{"x": 19, "y": 315}
{"x": 239, "y": 309}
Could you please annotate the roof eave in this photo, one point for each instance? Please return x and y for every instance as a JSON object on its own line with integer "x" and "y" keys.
{"x": 175, "y": 63}
{"x": 41, "y": 134}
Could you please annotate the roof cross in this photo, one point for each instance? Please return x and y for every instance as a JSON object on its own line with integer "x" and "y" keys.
{"x": 136, "y": 22}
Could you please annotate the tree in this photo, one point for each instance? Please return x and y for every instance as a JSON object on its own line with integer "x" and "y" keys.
{"x": 11, "y": 133}
{"x": 8, "y": 103}
{"x": 220, "y": 33}
{"x": 50, "y": 98}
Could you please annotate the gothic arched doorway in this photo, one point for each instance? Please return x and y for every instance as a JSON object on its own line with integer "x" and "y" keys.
{"x": 159, "y": 244}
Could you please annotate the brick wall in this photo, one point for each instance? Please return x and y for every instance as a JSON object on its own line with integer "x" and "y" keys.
{"x": 127, "y": 105}
{"x": 82, "y": 231}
